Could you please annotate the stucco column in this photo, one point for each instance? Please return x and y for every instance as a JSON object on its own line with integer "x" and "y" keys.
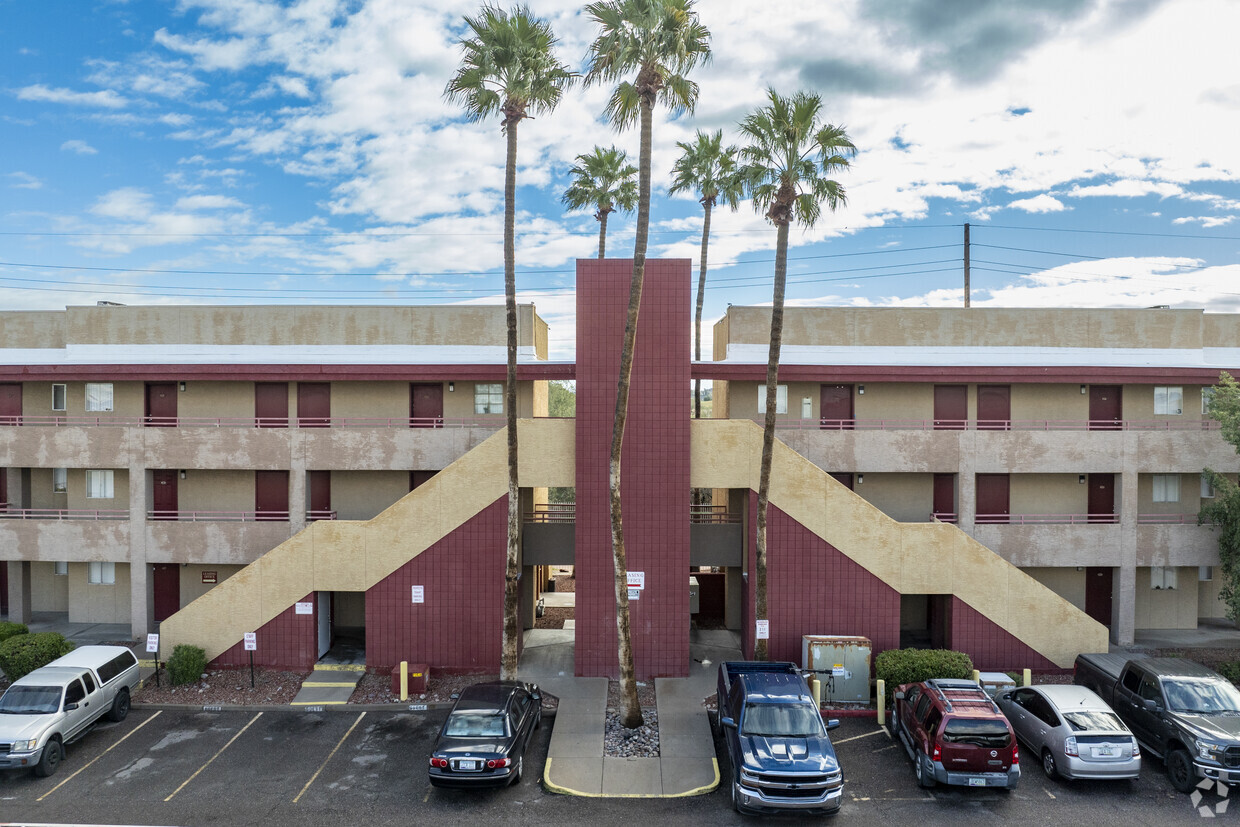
{"x": 297, "y": 494}
{"x": 140, "y": 598}
{"x": 19, "y": 591}
{"x": 1124, "y": 598}
{"x": 966, "y": 483}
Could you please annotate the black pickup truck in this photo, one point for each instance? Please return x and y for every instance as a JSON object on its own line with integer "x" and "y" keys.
{"x": 1180, "y": 711}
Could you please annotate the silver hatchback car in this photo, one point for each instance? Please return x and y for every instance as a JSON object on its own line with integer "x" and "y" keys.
{"x": 1072, "y": 730}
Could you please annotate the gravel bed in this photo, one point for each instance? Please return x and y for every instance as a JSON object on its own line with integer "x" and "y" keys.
{"x": 225, "y": 686}
{"x": 553, "y": 617}
{"x": 376, "y": 688}
{"x": 565, "y": 583}
{"x": 642, "y": 742}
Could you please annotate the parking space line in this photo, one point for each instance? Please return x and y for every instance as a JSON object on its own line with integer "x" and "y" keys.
{"x": 213, "y": 757}
{"x": 859, "y": 737}
{"x": 100, "y": 755}
{"x": 339, "y": 744}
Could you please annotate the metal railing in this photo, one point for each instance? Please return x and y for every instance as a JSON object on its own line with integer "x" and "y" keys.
{"x": 944, "y": 516}
{"x": 219, "y": 516}
{"x": 8, "y": 513}
{"x": 712, "y": 514}
{"x": 495, "y": 422}
{"x": 312, "y": 516}
{"x": 994, "y": 424}
{"x": 1166, "y": 519}
{"x": 567, "y": 513}
{"x": 1045, "y": 519}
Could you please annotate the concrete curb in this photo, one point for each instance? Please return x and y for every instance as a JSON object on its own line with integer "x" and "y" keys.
{"x": 552, "y": 787}
{"x": 430, "y": 707}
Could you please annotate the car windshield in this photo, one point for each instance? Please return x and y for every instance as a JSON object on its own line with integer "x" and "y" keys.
{"x": 781, "y": 721}
{"x": 1201, "y": 697}
{"x": 1093, "y": 720}
{"x": 982, "y": 732}
{"x": 30, "y": 700}
{"x": 473, "y": 725}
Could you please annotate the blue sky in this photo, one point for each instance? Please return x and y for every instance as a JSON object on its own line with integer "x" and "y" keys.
{"x": 226, "y": 151}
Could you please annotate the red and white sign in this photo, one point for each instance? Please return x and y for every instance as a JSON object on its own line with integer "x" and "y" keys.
{"x": 637, "y": 580}
{"x": 251, "y": 642}
{"x": 763, "y": 630}
{"x": 304, "y": 609}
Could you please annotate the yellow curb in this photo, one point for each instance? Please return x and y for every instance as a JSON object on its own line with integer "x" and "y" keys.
{"x": 556, "y": 788}
{"x": 339, "y": 667}
{"x": 329, "y": 683}
{"x": 317, "y": 703}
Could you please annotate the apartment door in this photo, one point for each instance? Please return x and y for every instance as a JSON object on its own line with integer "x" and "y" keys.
{"x": 1105, "y": 407}
{"x": 425, "y": 404}
{"x": 10, "y": 403}
{"x": 945, "y": 497}
{"x": 1101, "y": 498}
{"x": 325, "y": 623}
{"x": 1098, "y": 593}
{"x": 320, "y": 494}
{"x": 845, "y": 480}
{"x": 314, "y": 405}
{"x": 951, "y": 407}
{"x": 271, "y": 404}
{"x": 164, "y": 499}
{"x": 166, "y": 584}
{"x": 994, "y": 407}
{"x": 417, "y": 478}
{"x": 161, "y": 404}
{"x": 835, "y": 407}
{"x": 993, "y": 495}
{"x": 271, "y": 495}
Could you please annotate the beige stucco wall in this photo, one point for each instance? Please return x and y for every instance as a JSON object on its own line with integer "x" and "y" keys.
{"x": 1064, "y": 581}
{"x": 1189, "y": 502}
{"x": 77, "y": 491}
{"x": 1167, "y": 608}
{"x": 1055, "y": 403}
{"x": 1209, "y": 603}
{"x": 907, "y": 498}
{"x": 49, "y": 592}
{"x": 192, "y": 586}
{"x": 1139, "y": 403}
{"x": 217, "y": 400}
{"x": 370, "y": 400}
{"x": 98, "y": 603}
{"x": 210, "y": 490}
{"x": 360, "y": 495}
{"x": 1047, "y": 494}
{"x": 32, "y": 328}
{"x": 349, "y": 609}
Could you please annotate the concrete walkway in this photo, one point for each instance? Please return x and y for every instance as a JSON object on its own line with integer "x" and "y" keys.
{"x": 330, "y": 684}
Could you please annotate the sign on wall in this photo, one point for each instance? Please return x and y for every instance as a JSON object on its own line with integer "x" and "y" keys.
{"x": 635, "y": 594}
{"x": 418, "y": 594}
{"x": 210, "y": 578}
{"x": 763, "y": 630}
{"x": 637, "y": 580}
{"x": 304, "y": 609}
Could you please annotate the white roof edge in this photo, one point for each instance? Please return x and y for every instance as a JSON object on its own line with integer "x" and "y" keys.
{"x": 900, "y": 356}
{"x": 267, "y": 355}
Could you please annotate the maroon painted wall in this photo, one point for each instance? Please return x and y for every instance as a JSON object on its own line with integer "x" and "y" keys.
{"x": 991, "y": 647}
{"x": 287, "y": 641}
{"x": 655, "y": 465}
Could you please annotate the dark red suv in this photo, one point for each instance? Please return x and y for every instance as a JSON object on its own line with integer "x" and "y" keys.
{"x": 955, "y": 734}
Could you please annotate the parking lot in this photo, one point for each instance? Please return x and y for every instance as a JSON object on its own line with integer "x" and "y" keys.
{"x": 177, "y": 766}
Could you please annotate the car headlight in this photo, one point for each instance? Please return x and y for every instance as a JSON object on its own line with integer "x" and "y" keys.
{"x": 25, "y": 746}
{"x": 1210, "y": 752}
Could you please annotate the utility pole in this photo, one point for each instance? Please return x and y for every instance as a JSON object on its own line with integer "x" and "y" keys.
{"x": 966, "y": 265}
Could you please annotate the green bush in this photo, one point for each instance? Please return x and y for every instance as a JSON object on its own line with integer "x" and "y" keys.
{"x": 900, "y": 666}
{"x": 8, "y": 630}
{"x": 1230, "y": 671}
{"x": 22, "y": 654}
{"x": 186, "y": 664}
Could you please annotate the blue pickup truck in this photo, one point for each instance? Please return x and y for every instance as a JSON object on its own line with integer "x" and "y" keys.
{"x": 781, "y": 755}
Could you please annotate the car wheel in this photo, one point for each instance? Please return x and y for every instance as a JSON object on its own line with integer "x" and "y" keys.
{"x": 1048, "y": 765}
{"x": 736, "y": 799}
{"x": 924, "y": 776}
{"x": 53, "y": 753}
{"x": 1180, "y": 771}
{"x": 516, "y": 773}
{"x": 120, "y": 706}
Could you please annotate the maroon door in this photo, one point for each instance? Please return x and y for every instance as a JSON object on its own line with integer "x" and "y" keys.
{"x": 320, "y": 495}
{"x": 1105, "y": 407}
{"x": 271, "y": 495}
{"x": 164, "y": 501}
{"x": 416, "y": 478}
{"x": 951, "y": 407}
{"x": 271, "y": 404}
{"x": 10, "y": 403}
{"x": 845, "y": 480}
{"x": 992, "y": 498}
{"x": 945, "y": 497}
{"x": 994, "y": 407}
{"x": 161, "y": 404}
{"x": 835, "y": 407}
{"x": 1098, "y": 594}
{"x": 314, "y": 405}
{"x": 425, "y": 404}
{"x": 166, "y": 583}
{"x": 1101, "y": 498}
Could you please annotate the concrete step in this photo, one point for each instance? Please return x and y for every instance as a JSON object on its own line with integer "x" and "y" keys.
{"x": 329, "y": 685}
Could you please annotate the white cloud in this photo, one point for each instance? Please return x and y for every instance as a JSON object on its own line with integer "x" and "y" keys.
{"x": 207, "y": 202}
{"x": 127, "y": 203}
{"x": 25, "y": 181}
{"x": 1206, "y": 221}
{"x": 80, "y": 147}
{"x": 1038, "y": 204}
{"x": 38, "y": 92}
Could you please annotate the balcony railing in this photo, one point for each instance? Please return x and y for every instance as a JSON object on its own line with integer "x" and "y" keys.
{"x": 312, "y": 516}
{"x": 944, "y": 516}
{"x": 1167, "y": 519}
{"x": 1045, "y": 519}
{"x": 567, "y": 513}
{"x": 219, "y": 516}
{"x": 8, "y": 513}
{"x": 994, "y": 425}
{"x": 495, "y": 422}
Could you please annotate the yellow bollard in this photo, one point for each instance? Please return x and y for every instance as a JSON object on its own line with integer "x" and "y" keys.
{"x": 815, "y": 689}
{"x": 404, "y": 680}
{"x": 977, "y": 677}
{"x": 881, "y": 689}
{"x": 1028, "y": 676}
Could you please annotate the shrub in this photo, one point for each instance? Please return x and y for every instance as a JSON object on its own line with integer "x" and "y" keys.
{"x": 186, "y": 664}
{"x": 8, "y": 630}
{"x": 900, "y": 666}
{"x": 22, "y": 654}
{"x": 1230, "y": 670}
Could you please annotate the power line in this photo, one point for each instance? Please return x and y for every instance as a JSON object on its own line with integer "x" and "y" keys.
{"x": 1108, "y": 232}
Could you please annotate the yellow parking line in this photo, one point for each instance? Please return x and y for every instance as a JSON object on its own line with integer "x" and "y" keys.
{"x": 858, "y": 737}
{"x": 316, "y": 703}
{"x": 330, "y": 683}
{"x": 329, "y": 757}
{"x": 213, "y": 757}
{"x": 100, "y": 755}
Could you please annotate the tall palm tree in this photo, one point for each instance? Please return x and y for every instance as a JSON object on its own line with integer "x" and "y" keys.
{"x": 708, "y": 167}
{"x": 786, "y": 164}
{"x": 606, "y": 181}
{"x": 658, "y": 42}
{"x": 509, "y": 68}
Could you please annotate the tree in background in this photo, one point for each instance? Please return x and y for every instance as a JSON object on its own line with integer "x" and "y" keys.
{"x": 659, "y": 42}
{"x": 561, "y": 402}
{"x": 787, "y": 162}
{"x": 606, "y": 181}
{"x": 509, "y": 68}
{"x": 1223, "y": 511}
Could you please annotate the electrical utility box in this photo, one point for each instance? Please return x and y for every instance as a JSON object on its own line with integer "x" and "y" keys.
{"x": 841, "y": 663}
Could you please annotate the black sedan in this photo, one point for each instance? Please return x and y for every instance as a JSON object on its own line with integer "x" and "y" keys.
{"x": 482, "y": 744}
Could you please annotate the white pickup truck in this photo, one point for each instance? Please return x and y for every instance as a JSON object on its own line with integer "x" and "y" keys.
{"x": 57, "y": 703}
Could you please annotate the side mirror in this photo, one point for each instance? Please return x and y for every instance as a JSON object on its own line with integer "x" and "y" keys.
{"x": 728, "y": 722}
{"x": 535, "y": 692}
{"x": 1152, "y": 705}
{"x": 832, "y": 723}
{"x": 70, "y": 707}
{"x": 899, "y": 696}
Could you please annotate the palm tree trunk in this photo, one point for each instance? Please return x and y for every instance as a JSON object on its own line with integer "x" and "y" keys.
{"x": 697, "y": 318}
{"x": 512, "y": 572}
{"x": 602, "y": 235}
{"x": 631, "y": 711}
{"x": 768, "y": 427}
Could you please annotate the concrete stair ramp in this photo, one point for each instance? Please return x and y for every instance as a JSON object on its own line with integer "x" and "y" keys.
{"x": 330, "y": 684}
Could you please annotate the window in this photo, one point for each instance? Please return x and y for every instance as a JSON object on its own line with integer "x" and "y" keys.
{"x": 1168, "y": 400}
{"x": 1207, "y": 395}
{"x": 1207, "y": 490}
{"x": 58, "y": 397}
{"x": 89, "y": 681}
{"x": 781, "y": 399}
{"x": 62, "y": 568}
{"x": 1205, "y": 573}
{"x": 74, "y": 693}
{"x": 60, "y": 480}
{"x": 489, "y": 398}
{"x": 98, "y": 485}
{"x": 1166, "y": 488}
{"x": 102, "y": 574}
{"x": 1162, "y": 577}
{"x": 98, "y": 396}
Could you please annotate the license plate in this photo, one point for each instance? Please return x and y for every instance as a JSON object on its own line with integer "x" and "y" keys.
{"x": 467, "y": 764}
{"x": 977, "y": 782}
{"x": 1105, "y": 752}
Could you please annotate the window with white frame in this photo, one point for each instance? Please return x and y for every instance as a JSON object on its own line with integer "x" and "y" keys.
{"x": 1168, "y": 400}
{"x": 1207, "y": 395}
{"x": 98, "y": 396}
{"x": 59, "y": 395}
{"x": 60, "y": 480}
{"x": 1162, "y": 577}
{"x": 98, "y": 484}
{"x": 489, "y": 398}
{"x": 62, "y": 568}
{"x": 102, "y": 574}
{"x": 1207, "y": 490}
{"x": 781, "y": 399}
{"x": 1166, "y": 488}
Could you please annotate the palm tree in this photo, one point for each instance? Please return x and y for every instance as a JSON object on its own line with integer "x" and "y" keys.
{"x": 658, "y": 42}
{"x": 509, "y": 69}
{"x": 708, "y": 167}
{"x": 786, "y": 164}
{"x": 606, "y": 181}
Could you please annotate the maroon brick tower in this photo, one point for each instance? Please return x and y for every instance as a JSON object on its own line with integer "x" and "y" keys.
{"x": 654, "y": 466}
